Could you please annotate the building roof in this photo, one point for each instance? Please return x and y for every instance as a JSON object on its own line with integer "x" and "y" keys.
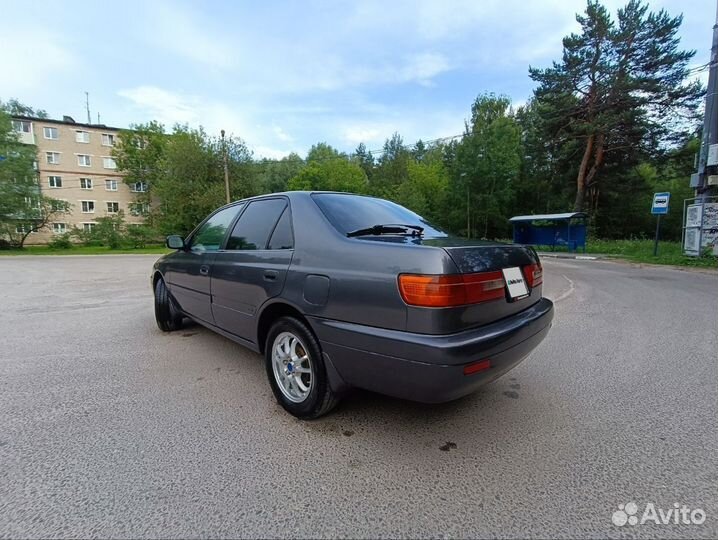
{"x": 65, "y": 122}
{"x": 552, "y": 217}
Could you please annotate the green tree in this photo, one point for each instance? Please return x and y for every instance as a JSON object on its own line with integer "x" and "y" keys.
{"x": 547, "y": 179}
{"x": 392, "y": 169}
{"x": 274, "y": 176}
{"x": 15, "y": 108}
{"x": 365, "y": 160}
{"x": 23, "y": 208}
{"x": 620, "y": 89}
{"x": 488, "y": 161}
{"x": 425, "y": 189}
{"x": 329, "y": 170}
{"x": 109, "y": 230}
{"x": 184, "y": 172}
{"x": 139, "y": 154}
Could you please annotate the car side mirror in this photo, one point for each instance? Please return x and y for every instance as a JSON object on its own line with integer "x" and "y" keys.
{"x": 175, "y": 241}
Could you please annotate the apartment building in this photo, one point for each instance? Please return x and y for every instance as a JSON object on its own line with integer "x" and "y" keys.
{"x": 75, "y": 164}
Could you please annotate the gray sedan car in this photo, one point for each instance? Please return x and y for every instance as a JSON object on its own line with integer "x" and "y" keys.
{"x": 339, "y": 291}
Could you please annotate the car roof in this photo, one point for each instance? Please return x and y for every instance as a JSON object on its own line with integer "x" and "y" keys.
{"x": 292, "y": 194}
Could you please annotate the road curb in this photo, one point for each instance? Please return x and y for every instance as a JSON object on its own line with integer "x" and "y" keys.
{"x": 550, "y": 255}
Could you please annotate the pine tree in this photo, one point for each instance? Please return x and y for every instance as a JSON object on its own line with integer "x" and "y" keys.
{"x": 620, "y": 88}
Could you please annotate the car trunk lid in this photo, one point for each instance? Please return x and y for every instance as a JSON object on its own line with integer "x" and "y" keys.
{"x": 476, "y": 260}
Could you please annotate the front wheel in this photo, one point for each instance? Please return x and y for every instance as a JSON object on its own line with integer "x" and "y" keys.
{"x": 296, "y": 370}
{"x": 167, "y": 315}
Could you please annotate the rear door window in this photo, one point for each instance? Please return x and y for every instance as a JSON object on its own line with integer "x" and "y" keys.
{"x": 282, "y": 237}
{"x": 256, "y": 224}
{"x": 210, "y": 235}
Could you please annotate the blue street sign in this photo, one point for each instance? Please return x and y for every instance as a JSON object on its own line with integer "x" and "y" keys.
{"x": 660, "y": 203}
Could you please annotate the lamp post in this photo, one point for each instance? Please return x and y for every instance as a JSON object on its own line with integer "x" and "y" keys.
{"x": 226, "y": 170}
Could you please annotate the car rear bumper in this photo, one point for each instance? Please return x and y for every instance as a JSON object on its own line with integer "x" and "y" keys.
{"x": 429, "y": 368}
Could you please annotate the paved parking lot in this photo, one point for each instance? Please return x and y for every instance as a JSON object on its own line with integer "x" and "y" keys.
{"x": 109, "y": 428}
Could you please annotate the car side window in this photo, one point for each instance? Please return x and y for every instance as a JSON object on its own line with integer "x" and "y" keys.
{"x": 256, "y": 224}
{"x": 282, "y": 236}
{"x": 210, "y": 235}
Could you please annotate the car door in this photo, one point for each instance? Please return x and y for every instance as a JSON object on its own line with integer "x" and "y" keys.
{"x": 188, "y": 275}
{"x": 253, "y": 265}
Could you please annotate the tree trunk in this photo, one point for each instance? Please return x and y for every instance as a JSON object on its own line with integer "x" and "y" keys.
{"x": 600, "y": 150}
{"x": 581, "y": 178}
{"x": 591, "y": 181}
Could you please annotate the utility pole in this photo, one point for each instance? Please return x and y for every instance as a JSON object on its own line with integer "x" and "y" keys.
{"x": 710, "y": 120}
{"x": 226, "y": 170}
{"x": 87, "y": 106}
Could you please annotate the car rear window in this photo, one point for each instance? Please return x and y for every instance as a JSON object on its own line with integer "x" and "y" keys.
{"x": 353, "y": 212}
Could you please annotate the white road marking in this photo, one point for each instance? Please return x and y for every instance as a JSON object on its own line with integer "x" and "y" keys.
{"x": 566, "y": 293}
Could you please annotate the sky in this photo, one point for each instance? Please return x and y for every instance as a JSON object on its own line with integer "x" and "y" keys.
{"x": 284, "y": 75}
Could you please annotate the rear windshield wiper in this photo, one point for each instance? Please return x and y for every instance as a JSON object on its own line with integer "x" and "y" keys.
{"x": 390, "y": 228}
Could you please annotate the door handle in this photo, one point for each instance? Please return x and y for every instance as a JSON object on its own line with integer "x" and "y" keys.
{"x": 204, "y": 270}
{"x": 270, "y": 275}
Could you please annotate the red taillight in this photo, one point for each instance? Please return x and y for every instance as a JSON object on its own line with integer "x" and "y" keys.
{"x": 451, "y": 290}
{"x": 475, "y": 367}
{"x": 533, "y": 274}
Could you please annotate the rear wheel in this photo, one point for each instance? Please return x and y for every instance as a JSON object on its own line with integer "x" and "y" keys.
{"x": 167, "y": 315}
{"x": 296, "y": 370}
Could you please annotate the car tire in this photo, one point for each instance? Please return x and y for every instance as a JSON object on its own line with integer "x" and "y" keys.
{"x": 167, "y": 315}
{"x": 306, "y": 395}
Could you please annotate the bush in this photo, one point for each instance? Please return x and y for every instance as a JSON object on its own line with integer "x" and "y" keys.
{"x": 109, "y": 231}
{"x": 61, "y": 241}
{"x": 138, "y": 236}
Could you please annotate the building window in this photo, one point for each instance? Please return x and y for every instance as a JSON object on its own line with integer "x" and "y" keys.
{"x": 53, "y": 158}
{"x": 113, "y": 207}
{"x": 59, "y": 228}
{"x": 111, "y": 185}
{"x": 108, "y": 139}
{"x": 50, "y": 133}
{"x": 139, "y": 209}
{"x": 58, "y": 205}
{"x": 109, "y": 163}
{"x": 54, "y": 181}
{"x": 87, "y": 227}
{"x": 22, "y": 126}
{"x": 88, "y": 207}
{"x": 82, "y": 136}
{"x": 85, "y": 183}
{"x": 22, "y": 228}
{"x": 138, "y": 187}
{"x": 84, "y": 160}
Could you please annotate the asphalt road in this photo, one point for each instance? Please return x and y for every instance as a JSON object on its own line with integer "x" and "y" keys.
{"x": 110, "y": 428}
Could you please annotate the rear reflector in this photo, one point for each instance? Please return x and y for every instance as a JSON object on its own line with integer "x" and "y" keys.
{"x": 533, "y": 274}
{"x": 475, "y": 367}
{"x": 451, "y": 290}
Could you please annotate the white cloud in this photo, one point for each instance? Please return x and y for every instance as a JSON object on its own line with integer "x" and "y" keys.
{"x": 422, "y": 68}
{"x": 170, "y": 108}
{"x": 281, "y": 134}
{"x": 358, "y": 134}
{"x": 268, "y": 152}
{"x": 165, "y": 107}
